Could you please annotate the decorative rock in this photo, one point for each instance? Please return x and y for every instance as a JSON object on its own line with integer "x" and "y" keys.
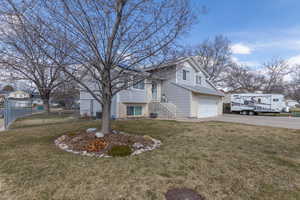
{"x": 61, "y": 139}
{"x": 115, "y": 132}
{"x": 137, "y": 145}
{"x": 91, "y": 130}
{"x": 59, "y": 142}
{"x": 99, "y": 135}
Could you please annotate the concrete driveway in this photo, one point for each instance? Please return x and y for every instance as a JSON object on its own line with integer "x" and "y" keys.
{"x": 281, "y": 122}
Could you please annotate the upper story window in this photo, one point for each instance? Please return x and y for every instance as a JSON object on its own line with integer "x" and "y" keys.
{"x": 140, "y": 85}
{"x": 198, "y": 80}
{"x": 275, "y": 100}
{"x": 185, "y": 75}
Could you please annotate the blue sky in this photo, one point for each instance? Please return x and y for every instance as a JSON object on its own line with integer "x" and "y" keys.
{"x": 259, "y": 29}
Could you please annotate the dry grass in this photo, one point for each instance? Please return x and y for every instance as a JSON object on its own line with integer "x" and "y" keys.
{"x": 43, "y": 119}
{"x": 219, "y": 160}
{"x": 1, "y": 122}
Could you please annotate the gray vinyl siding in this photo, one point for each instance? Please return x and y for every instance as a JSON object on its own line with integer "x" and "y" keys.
{"x": 133, "y": 96}
{"x": 178, "y": 96}
{"x": 193, "y": 73}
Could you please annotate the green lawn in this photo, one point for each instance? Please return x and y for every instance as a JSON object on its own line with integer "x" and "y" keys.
{"x": 219, "y": 160}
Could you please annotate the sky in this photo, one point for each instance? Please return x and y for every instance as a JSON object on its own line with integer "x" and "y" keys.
{"x": 259, "y": 30}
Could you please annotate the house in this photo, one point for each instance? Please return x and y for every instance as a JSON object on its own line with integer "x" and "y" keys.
{"x": 21, "y": 98}
{"x": 291, "y": 103}
{"x": 181, "y": 89}
{"x": 19, "y": 94}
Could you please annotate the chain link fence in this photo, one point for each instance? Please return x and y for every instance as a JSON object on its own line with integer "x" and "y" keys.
{"x": 14, "y": 109}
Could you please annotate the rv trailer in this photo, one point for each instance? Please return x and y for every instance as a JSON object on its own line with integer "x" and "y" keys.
{"x": 251, "y": 104}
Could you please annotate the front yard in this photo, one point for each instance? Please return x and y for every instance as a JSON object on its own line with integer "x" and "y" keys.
{"x": 219, "y": 160}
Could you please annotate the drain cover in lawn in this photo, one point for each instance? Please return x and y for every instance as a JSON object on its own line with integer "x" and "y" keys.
{"x": 183, "y": 194}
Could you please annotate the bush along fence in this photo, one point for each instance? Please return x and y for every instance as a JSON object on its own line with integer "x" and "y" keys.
{"x": 14, "y": 109}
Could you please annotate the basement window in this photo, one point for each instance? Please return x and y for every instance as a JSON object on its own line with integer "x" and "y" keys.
{"x": 134, "y": 110}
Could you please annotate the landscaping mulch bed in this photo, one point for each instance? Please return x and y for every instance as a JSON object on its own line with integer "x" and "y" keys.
{"x": 87, "y": 143}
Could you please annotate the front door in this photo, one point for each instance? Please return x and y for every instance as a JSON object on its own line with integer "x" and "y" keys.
{"x": 154, "y": 91}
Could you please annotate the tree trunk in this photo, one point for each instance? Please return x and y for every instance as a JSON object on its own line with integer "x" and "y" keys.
{"x": 46, "y": 105}
{"x": 106, "y": 117}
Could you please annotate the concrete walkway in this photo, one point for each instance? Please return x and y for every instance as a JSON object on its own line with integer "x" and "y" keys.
{"x": 280, "y": 122}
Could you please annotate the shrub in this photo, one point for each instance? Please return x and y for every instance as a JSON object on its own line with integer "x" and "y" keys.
{"x": 120, "y": 151}
{"x": 147, "y": 137}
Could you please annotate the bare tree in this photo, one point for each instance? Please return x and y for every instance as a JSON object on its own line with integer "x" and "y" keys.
{"x": 67, "y": 94}
{"x": 25, "y": 55}
{"x": 215, "y": 57}
{"x": 294, "y": 85}
{"x": 243, "y": 79}
{"x": 296, "y": 74}
{"x": 275, "y": 71}
{"x": 113, "y": 40}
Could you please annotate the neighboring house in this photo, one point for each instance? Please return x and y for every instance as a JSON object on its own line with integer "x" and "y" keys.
{"x": 21, "y": 98}
{"x": 181, "y": 89}
{"x": 291, "y": 103}
{"x": 18, "y": 95}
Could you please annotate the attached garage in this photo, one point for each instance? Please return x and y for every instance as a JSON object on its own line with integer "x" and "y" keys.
{"x": 207, "y": 106}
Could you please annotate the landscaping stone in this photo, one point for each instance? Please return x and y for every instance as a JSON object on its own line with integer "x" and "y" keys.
{"x": 137, "y": 145}
{"x": 91, "y": 130}
{"x": 76, "y": 144}
{"x": 99, "y": 135}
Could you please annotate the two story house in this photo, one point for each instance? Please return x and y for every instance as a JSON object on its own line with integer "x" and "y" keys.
{"x": 181, "y": 89}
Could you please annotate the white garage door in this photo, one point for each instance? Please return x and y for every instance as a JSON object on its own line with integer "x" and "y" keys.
{"x": 208, "y": 107}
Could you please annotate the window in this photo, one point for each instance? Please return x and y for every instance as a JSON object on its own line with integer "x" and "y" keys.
{"x": 275, "y": 100}
{"x": 140, "y": 85}
{"x": 134, "y": 110}
{"x": 185, "y": 75}
{"x": 259, "y": 100}
{"x": 198, "y": 80}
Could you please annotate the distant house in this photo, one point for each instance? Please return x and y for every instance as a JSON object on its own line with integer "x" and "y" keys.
{"x": 181, "y": 90}
{"x": 291, "y": 103}
{"x": 22, "y": 98}
{"x": 19, "y": 94}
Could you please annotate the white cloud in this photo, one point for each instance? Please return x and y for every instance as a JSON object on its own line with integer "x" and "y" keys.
{"x": 251, "y": 64}
{"x": 241, "y": 49}
{"x": 295, "y": 60}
